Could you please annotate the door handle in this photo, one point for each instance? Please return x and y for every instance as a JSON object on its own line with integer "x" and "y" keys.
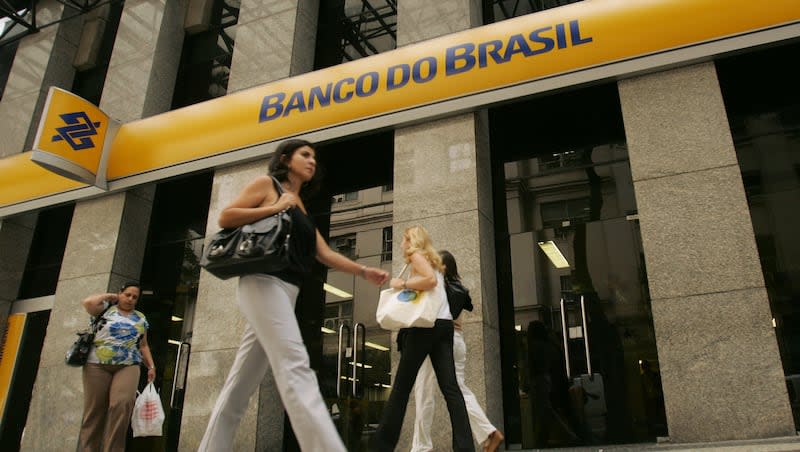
{"x": 358, "y": 327}
{"x": 181, "y": 363}
{"x": 586, "y": 337}
{"x": 564, "y": 335}
{"x": 342, "y": 329}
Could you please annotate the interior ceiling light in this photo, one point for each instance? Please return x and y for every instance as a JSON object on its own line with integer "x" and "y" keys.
{"x": 336, "y": 291}
{"x": 554, "y": 254}
{"x": 376, "y": 346}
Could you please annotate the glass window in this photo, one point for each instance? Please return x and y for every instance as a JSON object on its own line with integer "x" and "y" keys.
{"x": 349, "y": 196}
{"x": 345, "y": 245}
{"x": 7, "y": 52}
{"x": 88, "y": 83}
{"x": 386, "y": 253}
{"x": 46, "y": 252}
{"x": 352, "y": 29}
{"x": 763, "y": 107}
{"x": 497, "y": 10}
{"x": 582, "y": 347}
{"x": 206, "y": 59}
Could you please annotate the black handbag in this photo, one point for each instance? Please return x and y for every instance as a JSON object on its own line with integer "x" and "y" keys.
{"x": 259, "y": 247}
{"x": 78, "y": 353}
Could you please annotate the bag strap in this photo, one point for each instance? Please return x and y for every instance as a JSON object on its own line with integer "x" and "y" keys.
{"x": 96, "y": 319}
{"x": 400, "y": 275}
{"x": 278, "y": 186}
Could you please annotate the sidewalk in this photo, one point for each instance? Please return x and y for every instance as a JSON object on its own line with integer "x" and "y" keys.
{"x": 785, "y": 444}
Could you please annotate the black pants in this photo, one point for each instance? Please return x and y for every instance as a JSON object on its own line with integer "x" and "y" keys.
{"x": 417, "y": 344}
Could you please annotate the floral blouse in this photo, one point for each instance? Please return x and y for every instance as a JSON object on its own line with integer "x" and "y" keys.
{"x": 117, "y": 340}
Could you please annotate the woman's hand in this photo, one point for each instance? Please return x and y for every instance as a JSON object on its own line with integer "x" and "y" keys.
{"x": 374, "y": 275}
{"x": 397, "y": 283}
{"x": 287, "y": 201}
{"x": 151, "y": 374}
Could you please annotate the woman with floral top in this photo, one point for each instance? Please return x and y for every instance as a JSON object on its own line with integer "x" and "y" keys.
{"x": 111, "y": 374}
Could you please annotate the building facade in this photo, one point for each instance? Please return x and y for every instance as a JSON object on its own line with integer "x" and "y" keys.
{"x": 625, "y": 226}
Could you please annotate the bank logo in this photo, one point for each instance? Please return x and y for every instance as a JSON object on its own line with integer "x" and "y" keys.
{"x": 78, "y": 131}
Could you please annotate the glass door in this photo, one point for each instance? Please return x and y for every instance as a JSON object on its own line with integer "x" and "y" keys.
{"x": 586, "y": 361}
{"x": 355, "y": 375}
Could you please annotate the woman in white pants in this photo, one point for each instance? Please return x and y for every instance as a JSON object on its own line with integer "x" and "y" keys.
{"x": 272, "y": 338}
{"x": 482, "y": 429}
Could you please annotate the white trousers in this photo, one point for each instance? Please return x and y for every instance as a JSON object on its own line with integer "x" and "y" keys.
{"x": 271, "y": 340}
{"x": 425, "y": 403}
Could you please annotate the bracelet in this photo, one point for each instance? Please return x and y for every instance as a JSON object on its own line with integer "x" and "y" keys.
{"x": 364, "y": 271}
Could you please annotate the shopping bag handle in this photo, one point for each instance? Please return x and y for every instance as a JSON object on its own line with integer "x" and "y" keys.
{"x": 399, "y": 275}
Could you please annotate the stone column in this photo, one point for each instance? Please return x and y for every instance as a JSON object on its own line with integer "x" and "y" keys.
{"x": 442, "y": 181}
{"x": 108, "y": 234}
{"x": 105, "y": 248}
{"x": 275, "y": 39}
{"x": 720, "y": 367}
{"x": 42, "y": 60}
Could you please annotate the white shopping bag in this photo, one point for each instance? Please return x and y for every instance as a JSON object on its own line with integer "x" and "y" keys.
{"x": 148, "y": 415}
{"x": 410, "y": 308}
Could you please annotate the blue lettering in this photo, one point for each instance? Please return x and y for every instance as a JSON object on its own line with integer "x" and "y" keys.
{"x": 494, "y": 52}
{"x": 561, "y": 36}
{"x": 405, "y": 75}
{"x": 459, "y": 59}
{"x": 546, "y": 42}
{"x": 373, "y": 86}
{"x": 338, "y": 97}
{"x": 272, "y": 102}
{"x": 316, "y": 94}
{"x": 418, "y": 78}
{"x": 575, "y": 34}
{"x": 296, "y": 102}
{"x": 516, "y": 44}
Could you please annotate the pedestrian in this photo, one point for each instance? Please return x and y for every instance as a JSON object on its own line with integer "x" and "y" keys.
{"x": 486, "y": 434}
{"x": 420, "y": 343}
{"x": 272, "y": 337}
{"x": 111, "y": 372}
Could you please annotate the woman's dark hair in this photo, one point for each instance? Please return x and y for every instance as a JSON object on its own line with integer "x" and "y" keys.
{"x": 131, "y": 284}
{"x": 279, "y": 169}
{"x": 450, "y": 267}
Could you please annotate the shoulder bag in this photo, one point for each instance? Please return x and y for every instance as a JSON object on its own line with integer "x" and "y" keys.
{"x": 408, "y": 308}
{"x": 259, "y": 247}
{"x": 78, "y": 353}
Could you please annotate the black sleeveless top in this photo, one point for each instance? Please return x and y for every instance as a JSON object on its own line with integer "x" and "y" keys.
{"x": 302, "y": 248}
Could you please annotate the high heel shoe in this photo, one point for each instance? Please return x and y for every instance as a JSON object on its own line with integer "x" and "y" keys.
{"x": 493, "y": 442}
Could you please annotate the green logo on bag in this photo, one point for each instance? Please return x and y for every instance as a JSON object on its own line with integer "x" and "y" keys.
{"x": 408, "y": 295}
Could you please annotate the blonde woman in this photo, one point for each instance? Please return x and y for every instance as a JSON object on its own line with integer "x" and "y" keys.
{"x": 420, "y": 343}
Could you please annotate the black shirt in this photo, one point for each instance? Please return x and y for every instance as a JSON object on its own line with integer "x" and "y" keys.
{"x": 302, "y": 248}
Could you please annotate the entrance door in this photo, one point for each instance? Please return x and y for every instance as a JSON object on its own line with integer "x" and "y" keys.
{"x": 587, "y": 361}
{"x": 169, "y": 277}
{"x": 336, "y": 310}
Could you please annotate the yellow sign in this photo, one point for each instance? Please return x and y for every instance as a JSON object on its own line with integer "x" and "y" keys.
{"x": 531, "y": 47}
{"x": 71, "y": 137}
{"x": 569, "y": 39}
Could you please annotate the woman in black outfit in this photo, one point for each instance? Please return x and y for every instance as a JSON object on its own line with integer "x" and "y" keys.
{"x": 419, "y": 343}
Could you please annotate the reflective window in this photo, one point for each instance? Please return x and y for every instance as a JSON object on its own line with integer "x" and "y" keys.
{"x": 7, "y": 52}
{"x": 763, "y": 107}
{"x": 352, "y": 29}
{"x": 102, "y": 25}
{"x": 170, "y": 276}
{"x": 46, "y": 252}
{"x": 206, "y": 59}
{"x": 497, "y": 10}
{"x": 584, "y": 357}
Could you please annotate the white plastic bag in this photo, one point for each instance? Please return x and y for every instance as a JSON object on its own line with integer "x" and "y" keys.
{"x": 148, "y": 415}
